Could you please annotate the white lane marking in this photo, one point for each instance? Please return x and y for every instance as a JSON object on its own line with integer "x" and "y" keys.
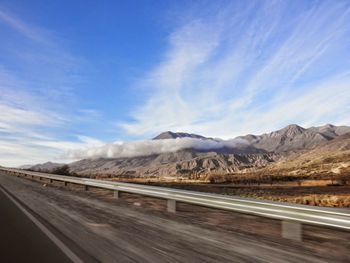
{"x": 69, "y": 253}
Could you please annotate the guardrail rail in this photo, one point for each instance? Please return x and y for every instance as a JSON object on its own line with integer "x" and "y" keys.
{"x": 292, "y": 216}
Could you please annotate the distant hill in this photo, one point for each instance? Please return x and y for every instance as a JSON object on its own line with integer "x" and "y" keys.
{"x": 294, "y": 138}
{"x": 26, "y": 166}
{"x": 44, "y": 167}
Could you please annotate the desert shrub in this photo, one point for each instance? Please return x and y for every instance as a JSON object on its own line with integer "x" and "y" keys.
{"x": 63, "y": 170}
{"x": 344, "y": 177}
{"x": 346, "y": 201}
{"x": 323, "y": 200}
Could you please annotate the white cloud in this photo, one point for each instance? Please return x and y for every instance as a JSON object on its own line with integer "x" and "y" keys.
{"x": 328, "y": 101}
{"x": 236, "y": 72}
{"x": 149, "y": 147}
{"x": 17, "y": 24}
{"x": 21, "y": 149}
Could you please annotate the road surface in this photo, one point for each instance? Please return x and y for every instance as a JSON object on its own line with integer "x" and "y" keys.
{"x": 21, "y": 240}
{"x": 110, "y": 231}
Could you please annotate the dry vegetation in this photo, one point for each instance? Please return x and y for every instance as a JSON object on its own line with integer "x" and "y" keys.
{"x": 309, "y": 178}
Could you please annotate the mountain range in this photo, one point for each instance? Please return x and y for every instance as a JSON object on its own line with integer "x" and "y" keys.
{"x": 251, "y": 152}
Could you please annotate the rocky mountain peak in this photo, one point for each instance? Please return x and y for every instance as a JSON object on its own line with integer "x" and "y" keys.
{"x": 174, "y": 135}
{"x": 328, "y": 125}
{"x": 291, "y": 130}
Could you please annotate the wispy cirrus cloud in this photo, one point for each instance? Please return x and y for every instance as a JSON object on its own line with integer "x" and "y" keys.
{"x": 251, "y": 68}
{"x": 21, "y": 27}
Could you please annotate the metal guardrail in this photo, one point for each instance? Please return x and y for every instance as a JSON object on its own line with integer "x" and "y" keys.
{"x": 292, "y": 216}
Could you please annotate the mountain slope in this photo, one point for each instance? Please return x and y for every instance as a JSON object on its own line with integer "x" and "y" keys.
{"x": 186, "y": 162}
{"x": 295, "y": 138}
{"x": 329, "y": 158}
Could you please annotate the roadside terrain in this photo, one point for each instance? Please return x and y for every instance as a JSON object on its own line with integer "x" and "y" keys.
{"x": 136, "y": 228}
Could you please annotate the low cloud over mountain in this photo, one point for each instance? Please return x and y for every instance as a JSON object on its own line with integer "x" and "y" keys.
{"x": 157, "y": 146}
{"x": 290, "y": 138}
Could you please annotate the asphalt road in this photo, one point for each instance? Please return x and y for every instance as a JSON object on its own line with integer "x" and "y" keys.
{"x": 21, "y": 240}
{"x": 106, "y": 230}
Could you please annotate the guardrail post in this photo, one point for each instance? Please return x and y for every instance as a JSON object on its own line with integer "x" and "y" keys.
{"x": 171, "y": 206}
{"x": 40, "y": 178}
{"x": 292, "y": 230}
{"x": 51, "y": 181}
{"x": 65, "y": 183}
{"x": 116, "y": 194}
{"x": 86, "y": 187}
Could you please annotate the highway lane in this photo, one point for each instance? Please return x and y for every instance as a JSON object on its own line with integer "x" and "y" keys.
{"x": 21, "y": 240}
{"x": 112, "y": 232}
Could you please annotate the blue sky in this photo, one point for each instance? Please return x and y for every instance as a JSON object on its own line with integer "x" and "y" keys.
{"x": 80, "y": 74}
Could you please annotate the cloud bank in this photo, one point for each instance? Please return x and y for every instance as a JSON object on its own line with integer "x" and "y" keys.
{"x": 149, "y": 147}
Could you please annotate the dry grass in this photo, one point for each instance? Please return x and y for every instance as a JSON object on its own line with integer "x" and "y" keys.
{"x": 316, "y": 178}
{"x": 324, "y": 200}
